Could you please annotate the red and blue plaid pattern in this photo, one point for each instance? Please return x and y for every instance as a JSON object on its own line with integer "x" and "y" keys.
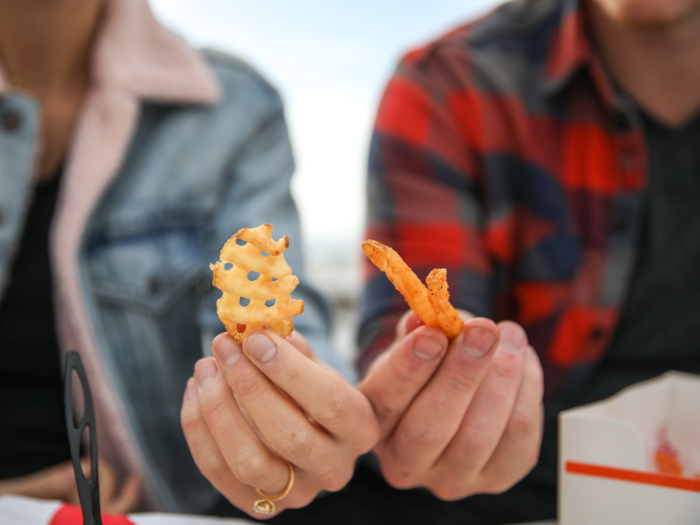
{"x": 501, "y": 153}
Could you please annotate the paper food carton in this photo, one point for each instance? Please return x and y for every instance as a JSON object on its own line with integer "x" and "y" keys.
{"x": 633, "y": 458}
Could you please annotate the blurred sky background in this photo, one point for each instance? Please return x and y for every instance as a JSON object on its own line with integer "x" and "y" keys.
{"x": 330, "y": 60}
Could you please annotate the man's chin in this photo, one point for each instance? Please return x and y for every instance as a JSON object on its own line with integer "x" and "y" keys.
{"x": 649, "y": 14}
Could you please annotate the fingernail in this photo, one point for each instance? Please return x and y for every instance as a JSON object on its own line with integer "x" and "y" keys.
{"x": 205, "y": 371}
{"x": 190, "y": 390}
{"x": 260, "y": 347}
{"x": 477, "y": 342}
{"x": 426, "y": 348}
{"x": 227, "y": 350}
{"x": 513, "y": 337}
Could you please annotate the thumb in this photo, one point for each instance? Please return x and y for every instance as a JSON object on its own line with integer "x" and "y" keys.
{"x": 396, "y": 376}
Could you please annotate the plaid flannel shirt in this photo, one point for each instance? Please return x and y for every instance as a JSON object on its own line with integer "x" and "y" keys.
{"x": 503, "y": 153}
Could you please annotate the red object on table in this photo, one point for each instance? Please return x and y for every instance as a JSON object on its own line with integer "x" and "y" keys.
{"x": 73, "y": 515}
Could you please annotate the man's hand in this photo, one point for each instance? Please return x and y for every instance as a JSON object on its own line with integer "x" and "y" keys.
{"x": 58, "y": 483}
{"x": 256, "y": 405}
{"x": 459, "y": 419}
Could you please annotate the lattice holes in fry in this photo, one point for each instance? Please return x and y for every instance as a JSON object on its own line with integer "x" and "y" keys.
{"x": 431, "y": 304}
{"x": 264, "y": 256}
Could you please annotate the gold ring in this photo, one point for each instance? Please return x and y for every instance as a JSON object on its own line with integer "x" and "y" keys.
{"x": 266, "y": 505}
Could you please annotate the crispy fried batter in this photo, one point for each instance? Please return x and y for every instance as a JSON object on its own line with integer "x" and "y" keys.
{"x": 433, "y": 307}
{"x": 262, "y": 255}
{"x": 403, "y": 278}
{"x": 450, "y": 321}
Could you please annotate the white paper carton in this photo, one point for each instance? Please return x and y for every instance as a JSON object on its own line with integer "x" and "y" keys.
{"x": 606, "y": 456}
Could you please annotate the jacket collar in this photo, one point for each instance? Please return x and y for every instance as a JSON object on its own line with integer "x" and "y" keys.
{"x": 134, "y": 53}
{"x": 571, "y": 50}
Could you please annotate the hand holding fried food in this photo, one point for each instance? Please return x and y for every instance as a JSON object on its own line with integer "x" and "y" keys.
{"x": 431, "y": 304}
{"x": 275, "y": 282}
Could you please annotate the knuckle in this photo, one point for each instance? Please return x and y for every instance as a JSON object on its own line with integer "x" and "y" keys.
{"x": 446, "y": 492}
{"x": 188, "y": 420}
{"x": 298, "y": 500}
{"x": 293, "y": 373}
{"x": 295, "y": 442}
{"x": 495, "y": 486}
{"x": 507, "y": 367}
{"x": 533, "y": 455}
{"x": 336, "y": 407}
{"x": 533, "y": 458}
{"x": 417, "y": 436}
{"x": 397, "y": 476}
{"x": 369, "y": 435}
{"x": 210, "y": 464}
{"x": 411, "y": 371}
{"x": 398, "y": 480}
{"x": 449, "y": 486}
{"x": 251, "y": 470}
{"x": 458, "y": 381}
{"x": 383, "y": 408}
{"x": 478, "y": 439}
{"x": 248, "y": 387}
{"x": 213, "y": 409}
{"x": 216, "y": 473}
{"x": 520, "y": 424}
{"x": 333, "y": 480}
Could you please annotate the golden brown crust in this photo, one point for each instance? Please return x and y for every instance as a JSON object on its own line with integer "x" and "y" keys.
{"x": 450, "y": 321}
{"x": 430, "y": 304}
{"x": 403, "y": 278}
{"x": 240, "y": 321}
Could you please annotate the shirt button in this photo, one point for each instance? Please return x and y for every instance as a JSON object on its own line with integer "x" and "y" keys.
{"x": 597, "y": 334}
{"x": 11, "y": 120}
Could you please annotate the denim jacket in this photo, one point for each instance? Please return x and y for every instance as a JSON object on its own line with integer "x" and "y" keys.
{"x": 173, "y": 153}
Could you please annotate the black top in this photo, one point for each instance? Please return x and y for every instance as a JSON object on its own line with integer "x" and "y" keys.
{"x": 32, "y": 426}
{"x": 659, "y": 327}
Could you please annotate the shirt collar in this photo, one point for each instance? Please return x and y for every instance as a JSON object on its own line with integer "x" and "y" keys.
{"x": 571, "y": 50}
{"x": 133, "y": 52}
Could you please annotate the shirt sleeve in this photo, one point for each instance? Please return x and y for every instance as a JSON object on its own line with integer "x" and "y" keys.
{"x": 258, "y": 192}
{"x": 425, "y": 195}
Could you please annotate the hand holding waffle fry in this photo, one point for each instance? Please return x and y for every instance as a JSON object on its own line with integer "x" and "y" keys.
{"x": 265, "y": 407}
{"x": 458, "y": 398}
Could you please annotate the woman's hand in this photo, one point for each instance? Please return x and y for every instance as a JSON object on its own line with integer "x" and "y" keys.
{"x": 253, "y": 407}
{"x": 58, "y": 483}
{"x": 462, "y": 418}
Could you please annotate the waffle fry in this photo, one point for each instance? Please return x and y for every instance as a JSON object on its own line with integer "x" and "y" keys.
{"x": 432, "y": 307}
{"x": 274, "y": 282}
